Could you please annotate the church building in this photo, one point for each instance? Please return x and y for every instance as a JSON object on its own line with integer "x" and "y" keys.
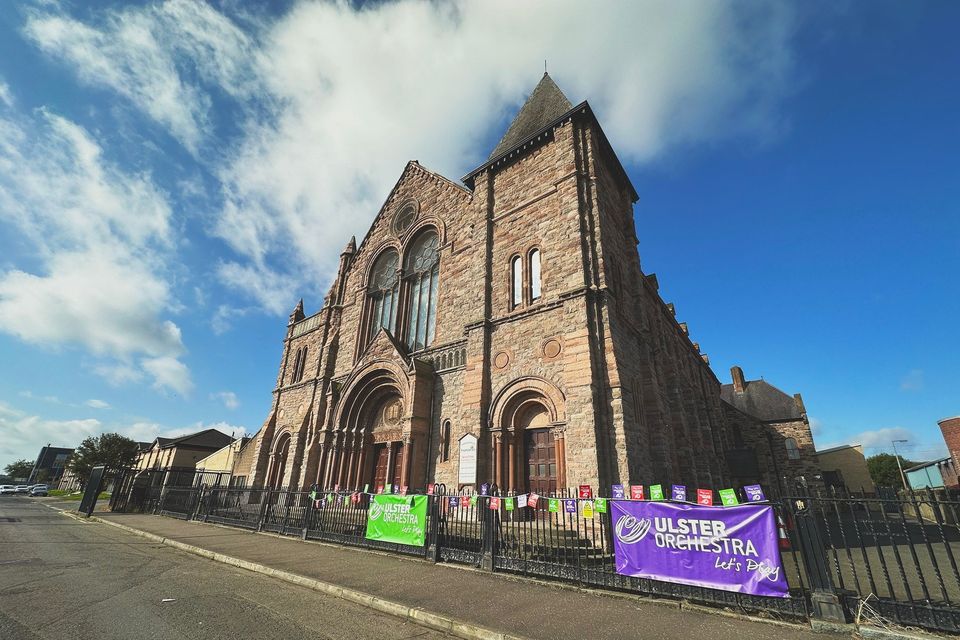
{"x": 499, "y": 330}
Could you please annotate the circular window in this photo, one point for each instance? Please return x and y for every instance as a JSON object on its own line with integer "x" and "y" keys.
{"x": 551, "y": 348}
{"x": 404, "y": 218}
{"x": 501, "y": 360}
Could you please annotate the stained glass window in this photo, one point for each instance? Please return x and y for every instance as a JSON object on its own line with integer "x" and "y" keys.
{"x": 383, "y": 291}
{"x": 423, "y": 270}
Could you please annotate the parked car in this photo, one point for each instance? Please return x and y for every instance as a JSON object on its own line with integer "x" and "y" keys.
{"x": 23, "y": 488}
{"x": 6, "y": 489}
{"x": 38, "y": 490}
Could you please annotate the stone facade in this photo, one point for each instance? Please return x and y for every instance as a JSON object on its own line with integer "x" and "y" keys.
{"x": 770, "y": 436}
{"x": 544, "y": 340}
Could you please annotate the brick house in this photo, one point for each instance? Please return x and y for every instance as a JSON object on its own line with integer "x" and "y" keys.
{"x": 497, "y": 330}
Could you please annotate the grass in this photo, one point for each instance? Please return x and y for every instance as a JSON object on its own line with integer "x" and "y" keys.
{"x": 58, "y": 492}
{"x": 104, "y": 495}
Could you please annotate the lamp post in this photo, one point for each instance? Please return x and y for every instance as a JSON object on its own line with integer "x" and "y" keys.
{"x": 903, "y": 478}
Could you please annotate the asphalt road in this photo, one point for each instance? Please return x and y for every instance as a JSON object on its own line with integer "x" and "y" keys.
{"x": 60, "y": 578}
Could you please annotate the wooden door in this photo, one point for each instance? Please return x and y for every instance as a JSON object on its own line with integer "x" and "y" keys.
{"x": 381, "y": 456}
{"x": 398, "y": 465}
{"x": 541, "y": 468}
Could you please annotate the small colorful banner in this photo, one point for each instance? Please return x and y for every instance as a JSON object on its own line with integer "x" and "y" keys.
{"x": 678, "y": 492}
{"x": 379, "y": 489}
{"x": 636, "y": 492}
{"x": 600, "y": 504}
{"x": 453, "y": 502}
{"x": 495, "y": 503}
{"x": 336, "y": 487}
{"x": 403, "y": 490}
{"x": 570, "y": 506}
{"x": 508, "y": 504}
{"x": 521, "y": 501}
{"x": 313, "y": 494}
{"x": 728, "y": 497}
{"x": 532, "y": 500}
{"x": 705, "y": 497}
{"x": 430, "y": 488}
{"x": 656, "y": 492}
{"x": 392, "y": 518}
{"x": 473, "y": 501}
{"x": 754, "y": 493}
{"x": 465, "y": 501}
{"x": 366, "y": 488}
{"x": 586, "y": 492}
{"x": 586, "y": 508}
{"x": 484, "y": 489}
{"x": 553, "y": 505}
{"x": 318, "y": 504}
{"x": 616, "y": 492}
{"x": 346, "y": 500}
{"x": 388, "y": 489}
{"x": 355, "y": 498}
{"x": 731, "y": 549}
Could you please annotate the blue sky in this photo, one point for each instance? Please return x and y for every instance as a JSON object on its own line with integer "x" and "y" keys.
{"x": 174, "y": 176}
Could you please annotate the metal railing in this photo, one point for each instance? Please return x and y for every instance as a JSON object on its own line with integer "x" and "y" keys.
{"x": 898, "y": 555}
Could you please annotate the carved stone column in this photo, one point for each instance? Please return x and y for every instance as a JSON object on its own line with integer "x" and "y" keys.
{"x": 560, "y": 449}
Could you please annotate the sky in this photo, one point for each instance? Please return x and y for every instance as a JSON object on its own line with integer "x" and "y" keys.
{"x": 176, "y": 175}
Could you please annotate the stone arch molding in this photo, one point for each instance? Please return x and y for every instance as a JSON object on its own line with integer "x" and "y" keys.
{"x": 366, "y": 389}
{"x": 519, "y": 393}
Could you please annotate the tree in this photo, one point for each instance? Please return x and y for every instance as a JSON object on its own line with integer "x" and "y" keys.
{"x": 19, "y": 470}
{"x": 884, "y": 471}
{"x": 108, "y": 449}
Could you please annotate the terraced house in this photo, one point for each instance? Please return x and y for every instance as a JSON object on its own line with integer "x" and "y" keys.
{"x": 499, "y": 330}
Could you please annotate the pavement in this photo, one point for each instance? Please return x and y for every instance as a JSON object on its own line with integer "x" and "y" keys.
{"x": 496, "y": 603}
{"x": 64, "y": 579}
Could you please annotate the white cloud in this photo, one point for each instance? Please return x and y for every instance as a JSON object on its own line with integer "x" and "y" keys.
{"x": 93, "y": 403}
{"x": 24, "y": 434}
{"x": 913, "y": 381}
{"x": 6, "y": 96}
{"x": 334, "y": 99}
{"x": 145, "y": 54}
{"x": 100, "y": 277}
{"x": 169, "y": 373}
{"x": 228, "y": 398}
{"x": 118, "y": 374}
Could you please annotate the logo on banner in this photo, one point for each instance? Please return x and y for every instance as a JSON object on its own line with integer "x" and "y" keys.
{"x": 376, "y": 511}
{"x": 631, "y": 530}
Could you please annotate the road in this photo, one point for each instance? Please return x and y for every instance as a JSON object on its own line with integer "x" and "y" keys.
{"x": 60, "y": 578}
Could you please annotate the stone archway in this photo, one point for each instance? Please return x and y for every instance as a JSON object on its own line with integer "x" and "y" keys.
{"x": 528, "y": 419}
{"x": 379, "y": 428}
{"x": 278, "y": 460}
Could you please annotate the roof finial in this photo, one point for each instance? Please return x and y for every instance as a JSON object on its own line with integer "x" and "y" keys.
{"x": 544, "y": 66}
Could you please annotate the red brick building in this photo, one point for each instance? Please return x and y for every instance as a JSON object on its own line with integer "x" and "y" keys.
{"x": 497, "y": 330}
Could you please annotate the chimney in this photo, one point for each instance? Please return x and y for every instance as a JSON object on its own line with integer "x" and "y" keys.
{"x": 738, "y": 383}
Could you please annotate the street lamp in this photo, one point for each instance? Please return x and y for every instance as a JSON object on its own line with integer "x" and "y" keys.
{"x": 903, "y": 478}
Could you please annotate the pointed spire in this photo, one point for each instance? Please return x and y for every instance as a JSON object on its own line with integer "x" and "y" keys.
{"x": 545, "y": 104}
{"x": 297, "y": 314}
{"x": 351, "y": 247}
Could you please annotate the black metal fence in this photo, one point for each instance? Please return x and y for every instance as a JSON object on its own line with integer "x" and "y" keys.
{"x": 847, "y": 555}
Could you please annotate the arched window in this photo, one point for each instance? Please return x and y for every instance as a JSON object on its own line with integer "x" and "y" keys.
{"x": 299, "y": 364}
{"x": 793, "y": 453}
{"x": 534, "y": 275}
{"x": 516, "y": 282}
{"x": 423, "y": 271}
{"x": 383, "y": 291}
{"x": 445, "y": 442}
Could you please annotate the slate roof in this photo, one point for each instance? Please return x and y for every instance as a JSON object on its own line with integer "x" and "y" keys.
{"x": 207, "y": 439}
{"x": 545, "y": 104}
{"x": 761, "y": 400}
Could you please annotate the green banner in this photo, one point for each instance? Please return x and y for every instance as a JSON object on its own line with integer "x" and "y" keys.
{"x": 400, "y": 519}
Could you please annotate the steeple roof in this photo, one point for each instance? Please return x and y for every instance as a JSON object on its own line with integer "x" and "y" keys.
{"x": 545, "y": 104}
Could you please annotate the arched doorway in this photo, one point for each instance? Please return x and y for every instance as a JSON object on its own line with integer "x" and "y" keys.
{"x": 278, "y": 461}
{"x": 527, "y": 423}
{"x": 540, "y": 471}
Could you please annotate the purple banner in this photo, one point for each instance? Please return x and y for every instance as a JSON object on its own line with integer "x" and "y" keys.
{"x": 729, "y": 548}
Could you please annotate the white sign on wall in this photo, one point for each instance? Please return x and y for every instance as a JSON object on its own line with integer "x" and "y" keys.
{"x": 468, "y": 459}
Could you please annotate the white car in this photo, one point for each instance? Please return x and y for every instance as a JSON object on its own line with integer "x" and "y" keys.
{"x": 38, "y": 490}
{"x": 7, "y": 489}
